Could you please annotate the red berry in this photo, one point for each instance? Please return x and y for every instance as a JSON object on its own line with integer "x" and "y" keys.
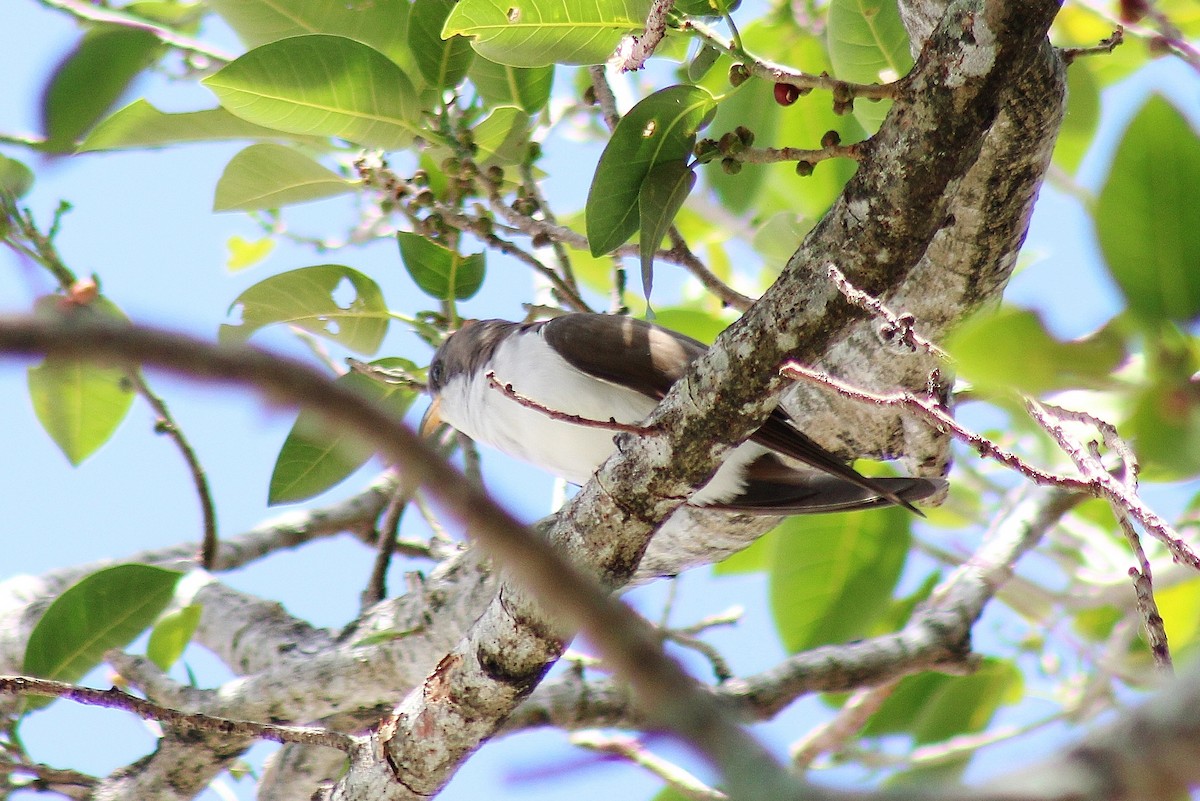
{"x": 786, "y": 94}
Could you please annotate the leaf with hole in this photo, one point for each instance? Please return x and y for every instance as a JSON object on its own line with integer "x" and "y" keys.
{"x": 105, "y": 610}
{"x": 322, "y": 85}
{"x": 315, "y": 456}
{"x": 537, "y": 33}
{"x": 658, "y": 130}
{"x": 308, "y": 299}
{"x": 268, "y": 176}
{"x": 440, "y": 272}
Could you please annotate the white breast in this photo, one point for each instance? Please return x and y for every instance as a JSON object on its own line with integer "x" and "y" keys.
{"x": 570, "y": 450}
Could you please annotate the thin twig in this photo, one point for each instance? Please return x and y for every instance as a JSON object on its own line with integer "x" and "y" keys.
{"x": 630, "y": 749}
{"x": 387, "y": 533}
{"x": 535, "y": 192}
{"x": 69, "y": 783}
{"x": 147, "y": 710}
{"x": 608, "y": 425}
{"x": 604, "y": 96}
{"x": 692, "y": 263}
{"x": 166, "y": 425}
{"x": 1104, "y": 47}
{"x": 897, "y": 327}
{"x": 777, "y": 73}
{"x": 771, "y": 155}
{"x": 831, "y": 737}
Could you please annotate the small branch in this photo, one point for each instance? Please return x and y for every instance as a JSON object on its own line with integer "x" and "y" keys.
{"x": 720, "y": 668}
{"x": 69, "y": 783}
{"x": 535, "y": 192}
{"x": 604, "y": 96}
{"x": 633, "y": 51}
{"x": 771, "y": 155}
{"x": 631, "y": 750}
{"x": 896, "y": 327}
{"x": 939, "y": 418}
{"x": 1143, "y": 589}
{"x": 1104, "y": 48}
{"x": 147, "y": 710}
{"x": 681, "y": 252}
{"x": 166, "y": 425}
{"x": 843, "y": 91}
{"x": 92, "y": 13}
{"x": 832, "y": 736}
{"x": 387, "y": 532}
{"x": 609, "y": 425}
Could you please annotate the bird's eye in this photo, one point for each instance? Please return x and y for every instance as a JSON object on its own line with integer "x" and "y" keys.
{"x": 436, "y": 373}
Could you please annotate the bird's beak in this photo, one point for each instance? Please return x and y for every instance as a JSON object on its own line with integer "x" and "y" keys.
{"x": 432, "y": 419}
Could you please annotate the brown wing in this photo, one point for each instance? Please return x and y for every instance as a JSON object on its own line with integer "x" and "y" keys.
{"x": 649, "y": 359}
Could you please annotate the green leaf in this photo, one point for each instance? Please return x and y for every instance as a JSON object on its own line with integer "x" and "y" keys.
{"x": 504, "y": 85}
{"x": 663, "y": 192}
{"x": 536, "y": 33}
{"x": 1082, "y": 117}
{"x": 933, "y": 707}
{"x": 315, "y": 457}
{"x": 1165, "y": 429}
{"x": 1012, "y": 350}
{"x": 80, "y": 404}
{"x": 868, "y": 44}
{"x": 323, "y": 86}
{"x": 1147, "y": 217}
{"x": 86, "y": 84}
{"x": 105, "y": 610}
{"x": 755, "y": 558}
{"x": 443, "y": 62}
{"x": 268, "y": 176}
{"x": 502, "y": 137}
{"x": 171, "y": 635}
{"x": 15, "y": 178}
{"x": 832, "y": 575}
{"x": 140, "y": 125}
{"x": 381, "y": 24}
{"x": 440, "y": 272}
{"x": 306, "y": 299}
{"x": 659, "y": 129}
{"x": 244, "y": 253}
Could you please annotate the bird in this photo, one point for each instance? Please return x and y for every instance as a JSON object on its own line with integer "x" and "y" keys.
{"x": 551, "y": 393}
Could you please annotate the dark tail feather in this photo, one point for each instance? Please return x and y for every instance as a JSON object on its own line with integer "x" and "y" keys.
{"x": 806, "y": 492}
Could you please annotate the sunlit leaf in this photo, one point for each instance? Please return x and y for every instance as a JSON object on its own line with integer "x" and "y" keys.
{"x": 833, "y": 575}
{"x": 658, "y": 130}
{"x": 171, "y": 635}
{"x": 1147, "y": 217}
{"x": 440, "y": 272}
{"x": 381, "y": 24}
{"x": 322, "y": 85}
{"x": 1012, "y": 350}
{"x": 1082, "y": 117}
{"x": 443, "y": 62}
{"x": 311, "y": 298}
{"x": 664, "y": 190}
{"x": 268, "y": 176}
{"x": 245, "y": 253}
{"x": 535, "y": 33}
{"x": 90, "y": 79}
{"x": 140, "y": 125}
{"x": 315, "y": 457}
{"x": 105, "y": 610}
{"x": 868, "y": 44}
{"x": 80, "y": 404}
{"x": 15, "y": 178}
{"x": 502, "y": 137}
{"x": 505, "y": 85}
